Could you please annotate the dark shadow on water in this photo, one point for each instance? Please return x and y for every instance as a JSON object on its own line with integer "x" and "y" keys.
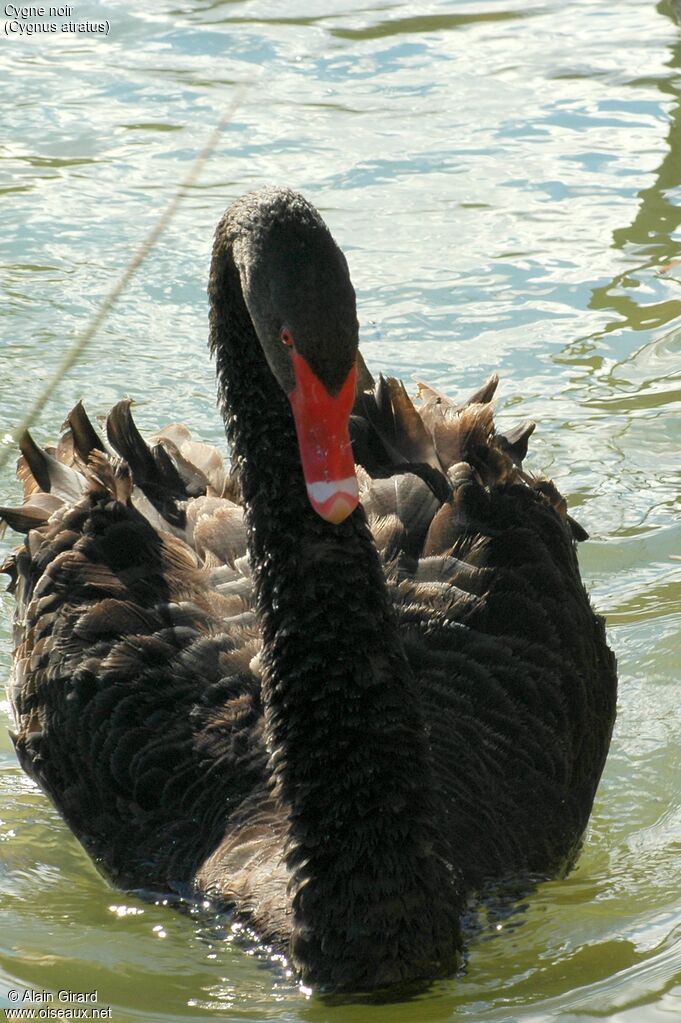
{"x": 383, "y": 25}
{"x": 650, "y": 235}
{"x": 418, "y": 24}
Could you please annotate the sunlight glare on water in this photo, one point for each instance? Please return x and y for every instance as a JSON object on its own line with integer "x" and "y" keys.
{"x": 505, "y": 179}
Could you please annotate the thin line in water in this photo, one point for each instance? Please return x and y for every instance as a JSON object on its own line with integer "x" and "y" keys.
{"x": 74, "y": 353}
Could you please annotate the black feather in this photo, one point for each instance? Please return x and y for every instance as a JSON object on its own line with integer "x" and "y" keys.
{"x": 152, "y": 470}
{"x": 85, "y": 437}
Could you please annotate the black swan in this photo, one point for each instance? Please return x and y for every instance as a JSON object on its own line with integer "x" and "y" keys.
{"x": 339, "y": 719}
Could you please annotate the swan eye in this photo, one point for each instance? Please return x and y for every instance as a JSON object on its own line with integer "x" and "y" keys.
{"x": 286, "y": 337}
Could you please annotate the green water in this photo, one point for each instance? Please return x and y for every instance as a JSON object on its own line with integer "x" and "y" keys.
{"x": 505, "y": 178}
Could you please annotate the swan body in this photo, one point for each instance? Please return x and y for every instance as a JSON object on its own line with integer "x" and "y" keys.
{"x": 337, "y": 700}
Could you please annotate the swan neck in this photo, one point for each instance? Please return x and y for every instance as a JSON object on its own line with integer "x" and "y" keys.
{"x": 350, "y": 759}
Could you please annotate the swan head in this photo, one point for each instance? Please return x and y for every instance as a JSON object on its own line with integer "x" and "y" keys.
{"x": 297, "y": 290}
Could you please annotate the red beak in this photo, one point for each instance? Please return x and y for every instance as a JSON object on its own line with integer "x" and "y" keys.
{"x": 325, "y": 450}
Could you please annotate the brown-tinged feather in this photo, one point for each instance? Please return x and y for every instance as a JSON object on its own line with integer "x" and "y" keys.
{"x": 217, "y": 525}
{"x": 365, "y": 381}
{"x": 515, "y": 441}
{"x": 483, "y": 395}
{"x": 51, "y": 475}
{"x": 85, "y": 437}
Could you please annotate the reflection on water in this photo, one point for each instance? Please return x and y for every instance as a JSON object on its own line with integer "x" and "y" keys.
{"x": 505, "y": 181}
